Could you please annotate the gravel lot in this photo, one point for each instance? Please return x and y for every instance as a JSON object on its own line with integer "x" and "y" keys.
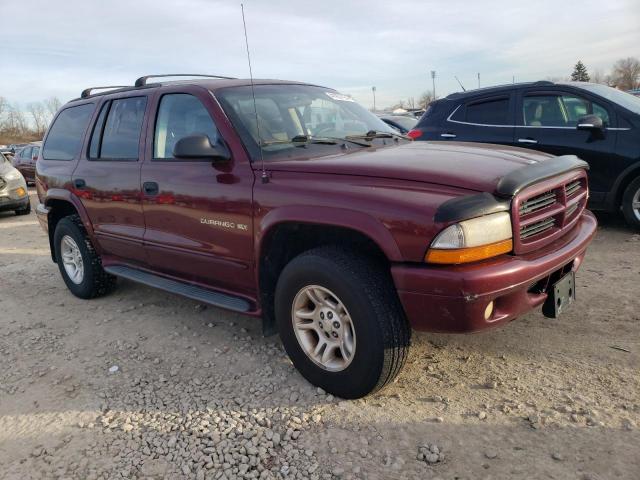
{"x": 198, "y": 393}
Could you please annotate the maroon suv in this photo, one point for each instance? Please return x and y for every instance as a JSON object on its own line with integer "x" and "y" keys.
{"x": 299, "y": 206}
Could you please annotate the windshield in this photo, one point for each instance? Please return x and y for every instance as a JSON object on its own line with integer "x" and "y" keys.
{"x": 405, "y": 122}
{"x": 624, "y": 99}
{"x": 291, "y": 117}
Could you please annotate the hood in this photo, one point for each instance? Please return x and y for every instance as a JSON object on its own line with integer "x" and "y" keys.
{"x": 5, "y": 167}
{"x": 471, "y": 166}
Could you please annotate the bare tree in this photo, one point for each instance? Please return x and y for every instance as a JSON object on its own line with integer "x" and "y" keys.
{"x": 39, "y": 117}
{"x": 600, "y": 77}
{"x": 425, "y": 99}
{"x": 52, "y": 105}
{"x": 626, "y": 73}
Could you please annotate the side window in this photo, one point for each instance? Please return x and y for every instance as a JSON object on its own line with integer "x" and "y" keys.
{"x": 35, "y": 152}
{"x": 575, "y": 107}
{"x": 94, "y": 146}
{"x": 26, "y": 152}
{"x": 559, "y": 111}
{"x": 65, "y": 135}
{"x": 121, "y": 134}
{"x": 601, "y": 112}
{"x": 488, "y": 112}
{"x": 180, "y": 115}
{"x": 544, "y": 111}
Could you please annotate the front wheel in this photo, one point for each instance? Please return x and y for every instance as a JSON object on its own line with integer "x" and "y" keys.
{"x": 341, "y": 322}
{"x": 631, "y": 203}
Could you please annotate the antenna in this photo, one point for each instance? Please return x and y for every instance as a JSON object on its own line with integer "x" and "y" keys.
{"x": 265, "y": 178}
{"x": 461, "y": 86}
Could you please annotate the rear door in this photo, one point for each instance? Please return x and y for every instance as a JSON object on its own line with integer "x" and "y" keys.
{"x": 547, "y": 121}
{"x": 485, "y": 120}
{"x": 107, "y": 178}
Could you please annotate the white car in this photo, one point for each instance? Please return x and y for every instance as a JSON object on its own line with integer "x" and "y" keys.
{"x": 13, "y": 189}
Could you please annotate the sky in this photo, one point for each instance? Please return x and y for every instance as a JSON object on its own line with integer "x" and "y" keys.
{"x": 59, "y": 47}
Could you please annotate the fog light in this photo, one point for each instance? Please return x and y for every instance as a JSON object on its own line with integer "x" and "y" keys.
{"x": 21, "y": 192}
{"x": 488, "y": 311}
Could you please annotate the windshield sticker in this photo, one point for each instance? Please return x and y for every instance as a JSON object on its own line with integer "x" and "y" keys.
{"x": 339, "y": 96}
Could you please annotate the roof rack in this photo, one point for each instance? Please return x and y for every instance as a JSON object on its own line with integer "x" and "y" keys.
{"x": 142, "y": 81}
{"x": 87, "y": 91}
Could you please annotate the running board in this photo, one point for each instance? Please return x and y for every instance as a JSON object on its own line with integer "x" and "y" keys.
{"x": 180, "y": 288}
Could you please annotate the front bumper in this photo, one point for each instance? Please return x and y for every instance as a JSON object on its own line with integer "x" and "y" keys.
{"x": 42, "y": 213}
{"x": 454, "y": 298}
{"x": 8, "y": 203}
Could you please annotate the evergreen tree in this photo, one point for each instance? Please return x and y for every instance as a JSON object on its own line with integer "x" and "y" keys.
{"x": 580, "y": 73}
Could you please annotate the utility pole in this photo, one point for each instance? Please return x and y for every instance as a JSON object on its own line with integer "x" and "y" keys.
{"x": 373, "y": 89}
{"x": 433, "y": 80}
{"x": 478, "y": 79}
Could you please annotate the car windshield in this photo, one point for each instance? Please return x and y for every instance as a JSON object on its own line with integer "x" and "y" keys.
{"x": 405, "y": 122}
{"x": 299, "y": 120}
{"x": 624, "y": 99}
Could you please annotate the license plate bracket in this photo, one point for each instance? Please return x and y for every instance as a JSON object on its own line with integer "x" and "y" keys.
{"x": 560, "y": 296}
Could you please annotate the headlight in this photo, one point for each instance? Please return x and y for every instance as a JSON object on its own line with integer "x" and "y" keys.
{"x": 13, "y": 175}
{"x": 472, "y": 240}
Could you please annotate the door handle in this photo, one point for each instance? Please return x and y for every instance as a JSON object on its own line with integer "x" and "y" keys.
{"x": 527, "y": 140}
{"x": 79, "y": 183}
{"x": 150, "y": 188}
{"x": 448, "y": 135}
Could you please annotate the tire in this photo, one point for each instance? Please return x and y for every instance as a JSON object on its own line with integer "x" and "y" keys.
{"x": 380, "y": 331}
{"x": 24, "y": 211}
{"x": 94, "y": 281}
{"x": 630, "y": 198}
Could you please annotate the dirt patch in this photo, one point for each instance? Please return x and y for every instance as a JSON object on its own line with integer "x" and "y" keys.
{"x": 198, "y": 393}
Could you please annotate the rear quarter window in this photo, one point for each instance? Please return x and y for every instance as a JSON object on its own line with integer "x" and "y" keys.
{"x": 65, "y": 135}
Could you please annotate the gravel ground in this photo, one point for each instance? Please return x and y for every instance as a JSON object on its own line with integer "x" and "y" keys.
{"x": 142, "y": 384}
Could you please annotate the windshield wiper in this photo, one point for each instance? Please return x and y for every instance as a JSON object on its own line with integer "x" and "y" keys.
{"x": 371, "y": 134}
{"x": 301, "y": 140}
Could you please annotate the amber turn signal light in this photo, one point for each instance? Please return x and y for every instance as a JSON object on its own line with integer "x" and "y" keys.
{"x": 21, "y": 192}
{"x": 466, "y": 255}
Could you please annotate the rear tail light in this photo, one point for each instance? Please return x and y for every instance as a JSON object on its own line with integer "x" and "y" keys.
{"x": 415, "y": 133}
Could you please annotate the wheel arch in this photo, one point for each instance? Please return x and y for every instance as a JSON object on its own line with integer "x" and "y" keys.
{"x": 622, "y": 182}
{"x": 62, "y": 203}
{"x": 302, "y": 231}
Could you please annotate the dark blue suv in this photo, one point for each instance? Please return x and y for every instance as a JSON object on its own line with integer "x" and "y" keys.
{"x": 599, "y": 124}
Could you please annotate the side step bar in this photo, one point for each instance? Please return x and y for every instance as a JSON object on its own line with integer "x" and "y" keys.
{"x": 180, "y": 288}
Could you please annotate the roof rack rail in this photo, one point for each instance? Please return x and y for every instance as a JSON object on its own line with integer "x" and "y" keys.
{"x": 87, "y": 91}
{"x": 543, "y": 82}
{"x": 142, "y": 81}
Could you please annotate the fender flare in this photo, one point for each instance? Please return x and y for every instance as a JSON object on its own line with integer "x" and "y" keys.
{"x": 330, "y": 216}
{"x": 72, "y": 198}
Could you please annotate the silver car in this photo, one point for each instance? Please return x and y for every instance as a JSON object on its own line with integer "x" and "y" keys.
{"x": 13, "y": 189}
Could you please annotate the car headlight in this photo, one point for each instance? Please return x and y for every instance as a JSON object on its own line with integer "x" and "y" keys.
{"x": 12, "y": 175}
{"x": 472, "y": 240}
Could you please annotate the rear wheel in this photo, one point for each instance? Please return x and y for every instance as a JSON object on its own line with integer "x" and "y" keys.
{"x": 78, "y": 262}
{"x": 341, "y": 322}
{"x": 631, "y": 203}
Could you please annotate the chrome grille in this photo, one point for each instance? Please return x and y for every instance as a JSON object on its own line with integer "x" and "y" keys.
{"x": 572, "y": 188}
{"x": 542, "y": 212}
{"x": 537, "y": 228}
{"x": 537, "y": 203}
{"x": 572, "y": 209}
{"x": 3, "y": 183}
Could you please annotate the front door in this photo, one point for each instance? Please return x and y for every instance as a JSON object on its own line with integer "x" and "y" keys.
{"x": 197, "y": 212}
{"x": 547, "y": 121}
{"x": 107, "y": 179}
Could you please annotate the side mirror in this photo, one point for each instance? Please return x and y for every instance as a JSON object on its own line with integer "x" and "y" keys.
{"x": 590, "y": 123}
{"x": 199, "y": 147}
